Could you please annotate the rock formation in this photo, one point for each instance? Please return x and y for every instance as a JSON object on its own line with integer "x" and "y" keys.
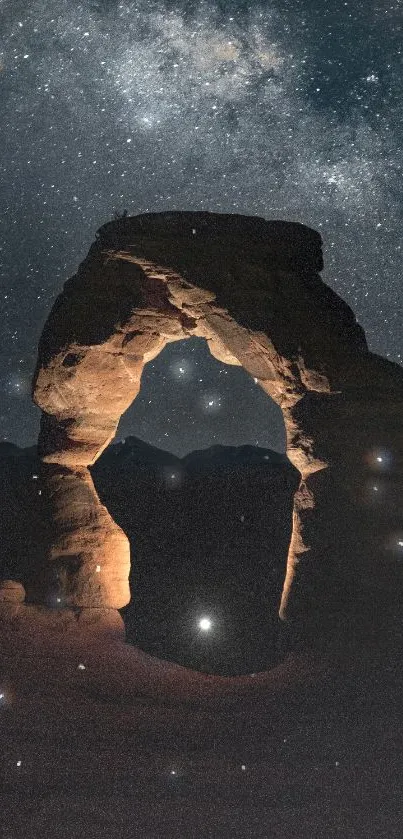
{"x": 252, "y": 289}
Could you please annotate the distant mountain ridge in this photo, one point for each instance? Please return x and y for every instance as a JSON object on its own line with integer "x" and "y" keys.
{"x": 216, "y": 455}
{"x": 147, "y": 452}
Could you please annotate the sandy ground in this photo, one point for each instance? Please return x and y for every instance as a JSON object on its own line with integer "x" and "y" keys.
{"x": 100, "y": 740}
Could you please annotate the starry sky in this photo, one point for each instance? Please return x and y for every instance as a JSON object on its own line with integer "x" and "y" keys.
{"x": 286, "y": 109}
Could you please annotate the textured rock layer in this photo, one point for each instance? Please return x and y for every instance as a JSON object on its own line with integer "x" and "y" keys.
{"x": 251, "y": 288}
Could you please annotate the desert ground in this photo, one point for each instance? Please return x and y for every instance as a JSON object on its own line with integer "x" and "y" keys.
{"x": 101, "y": 740}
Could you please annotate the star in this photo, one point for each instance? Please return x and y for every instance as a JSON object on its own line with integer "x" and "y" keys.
{"x": 205, "y": 624}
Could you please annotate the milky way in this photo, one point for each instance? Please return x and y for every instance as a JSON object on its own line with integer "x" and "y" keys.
{"x": 285, "y": 110}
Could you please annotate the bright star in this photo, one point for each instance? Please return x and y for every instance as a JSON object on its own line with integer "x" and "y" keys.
{"x": 182, "y": 370}
{"x": 205, "y": 624}
{"x": 380, "y": 458}
{"x": 211, "y": 402}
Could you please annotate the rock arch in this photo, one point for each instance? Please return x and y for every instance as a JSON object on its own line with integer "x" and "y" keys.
{"x": 252, "y": 289}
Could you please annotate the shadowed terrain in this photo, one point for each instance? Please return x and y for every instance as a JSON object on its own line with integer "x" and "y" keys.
{"x": 102, "y": 741}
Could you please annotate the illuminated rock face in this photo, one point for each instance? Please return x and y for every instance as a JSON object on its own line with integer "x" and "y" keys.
{"x": 251, "y": 288}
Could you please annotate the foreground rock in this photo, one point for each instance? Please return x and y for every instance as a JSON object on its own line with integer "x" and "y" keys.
{"x": 11, "y": 592}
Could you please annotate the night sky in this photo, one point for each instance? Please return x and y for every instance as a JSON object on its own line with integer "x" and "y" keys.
{"x": 286, "y": 109}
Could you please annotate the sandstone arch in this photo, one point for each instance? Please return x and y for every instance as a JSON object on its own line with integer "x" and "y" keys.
{"x": 252, "y": 289}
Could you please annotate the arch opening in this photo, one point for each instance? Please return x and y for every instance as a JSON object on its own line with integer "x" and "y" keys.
{"x": 190, "y": 400}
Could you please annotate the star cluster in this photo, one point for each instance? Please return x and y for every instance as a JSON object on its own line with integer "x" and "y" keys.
{"x": 285, "y": 110}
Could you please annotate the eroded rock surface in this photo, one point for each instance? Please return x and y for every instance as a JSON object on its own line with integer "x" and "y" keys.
{"x": 11, "y": 591}
{"x": 252, "y": 289}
